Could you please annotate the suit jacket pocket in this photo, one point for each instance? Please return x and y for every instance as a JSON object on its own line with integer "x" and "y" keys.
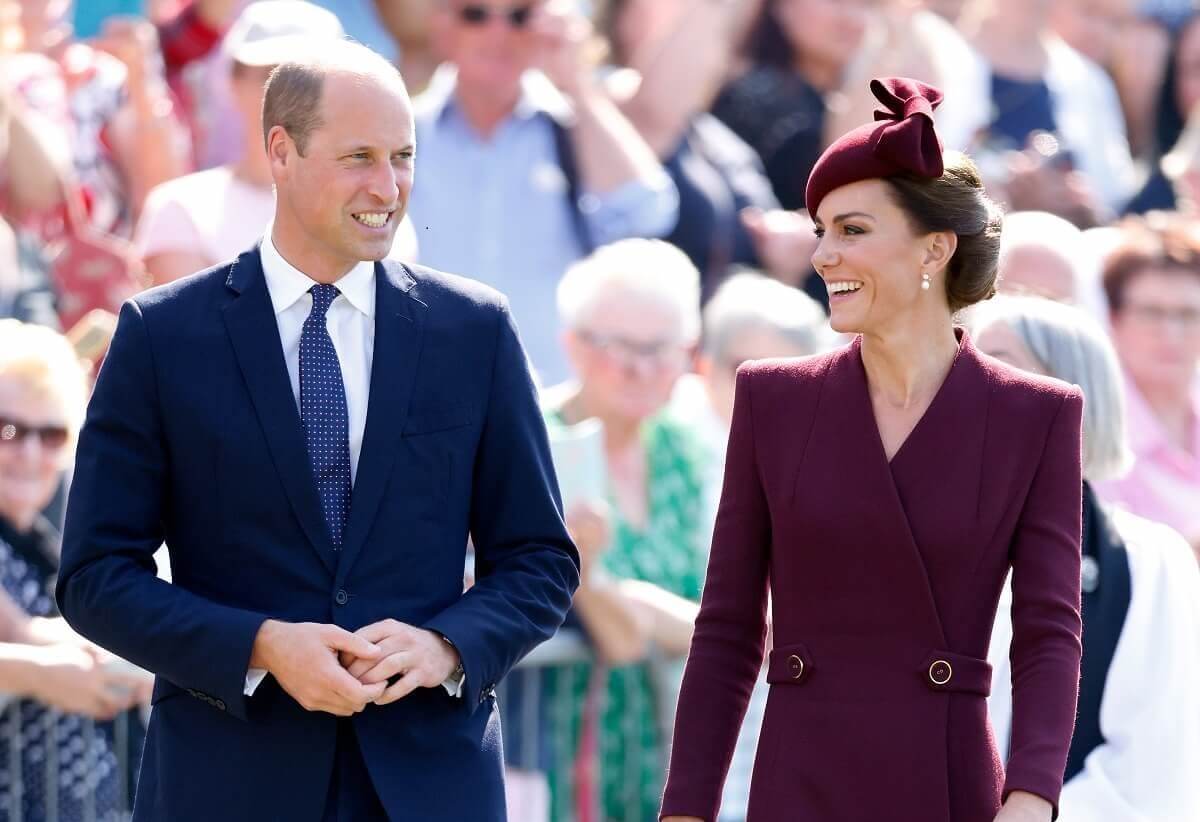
{"x": 431, "y": 420}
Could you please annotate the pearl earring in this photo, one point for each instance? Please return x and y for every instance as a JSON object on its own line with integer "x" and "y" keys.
{"x": 925, "y": 281}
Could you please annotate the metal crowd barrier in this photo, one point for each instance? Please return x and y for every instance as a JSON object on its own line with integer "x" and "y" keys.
{"x": 16, "y": 781}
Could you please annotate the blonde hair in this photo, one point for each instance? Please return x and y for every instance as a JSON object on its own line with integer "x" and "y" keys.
{"x": 641, "y": 269}
{"x": 43, "y": 362}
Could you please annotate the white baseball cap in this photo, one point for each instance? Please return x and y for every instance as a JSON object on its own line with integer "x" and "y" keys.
{"x": 270, "y": 32}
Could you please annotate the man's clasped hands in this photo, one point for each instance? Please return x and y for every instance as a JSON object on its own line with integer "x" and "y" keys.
{"x": 327, "y": 668}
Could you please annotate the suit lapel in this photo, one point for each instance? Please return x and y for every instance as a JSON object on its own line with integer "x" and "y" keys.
{"x": 399, "y": 327}
{"x": 254, "y": 332}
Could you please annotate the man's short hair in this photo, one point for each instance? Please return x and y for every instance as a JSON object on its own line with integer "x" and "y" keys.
{"x": 292, "y": 98}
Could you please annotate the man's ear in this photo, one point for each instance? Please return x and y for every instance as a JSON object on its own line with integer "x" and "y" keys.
{"x": 280, "y": 148}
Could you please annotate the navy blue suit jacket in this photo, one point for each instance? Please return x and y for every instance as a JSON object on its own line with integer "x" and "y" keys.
{"x": 193, "y": 437}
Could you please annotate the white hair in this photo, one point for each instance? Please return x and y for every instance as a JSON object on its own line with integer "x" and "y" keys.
{"x": 1046, "y": 232}
{"x": 749, "y": 301}
{"x": 1072, "y": 347}
{"x": 637, "y": 269}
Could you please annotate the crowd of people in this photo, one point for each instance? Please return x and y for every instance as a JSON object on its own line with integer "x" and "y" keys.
{"x": 632, "y": 175}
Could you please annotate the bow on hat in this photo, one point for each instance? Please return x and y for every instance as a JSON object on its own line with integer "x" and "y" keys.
{"x": 902, "y": 140}
{"x": 909, "y": 141}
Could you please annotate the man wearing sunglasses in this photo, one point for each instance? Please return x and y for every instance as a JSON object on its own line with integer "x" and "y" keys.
{"x": 533, "y": 163}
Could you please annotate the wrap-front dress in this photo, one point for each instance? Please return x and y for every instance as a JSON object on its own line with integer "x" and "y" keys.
{"x": 884, "y": 580}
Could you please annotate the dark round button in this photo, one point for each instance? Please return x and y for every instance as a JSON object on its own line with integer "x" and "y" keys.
{"x": 341, "y": 597}
{"x": 220, "y": 705}
{"x": 796, "y": 666}
{"x": 940, "y": 672}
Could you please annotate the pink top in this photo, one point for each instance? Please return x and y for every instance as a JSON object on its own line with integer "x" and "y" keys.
{"x": 1164, "y": 483}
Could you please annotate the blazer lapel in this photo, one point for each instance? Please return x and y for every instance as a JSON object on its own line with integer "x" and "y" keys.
{"x": 399, "y": 327}
{"x": 250, "y": 322}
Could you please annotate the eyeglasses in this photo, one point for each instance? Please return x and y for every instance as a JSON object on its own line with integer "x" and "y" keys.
{"x": 518, "y": 17}
{"x": 627, "y": 353}
{"x": 1187, "y": 318}
{"x": 13, "y": 431}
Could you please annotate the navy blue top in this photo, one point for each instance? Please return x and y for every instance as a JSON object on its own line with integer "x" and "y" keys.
{"x": 1019, "y": 108}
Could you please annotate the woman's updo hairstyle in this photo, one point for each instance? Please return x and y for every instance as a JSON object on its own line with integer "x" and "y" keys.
{"x": 956, "y": 201}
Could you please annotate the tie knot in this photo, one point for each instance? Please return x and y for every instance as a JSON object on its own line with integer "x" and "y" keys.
{"x": 323, "y": 296}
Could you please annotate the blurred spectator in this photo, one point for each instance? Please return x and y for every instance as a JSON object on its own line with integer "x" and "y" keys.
{"x": 675, "y": 56}
{"x": 25, "y": 290}
{"x": 1040, "y": 255}
{"x": 1132, "y": 49}
{"x": 1136, "y": 745}
{"x": 204, "y": 218}
{"x": 527, "y": 171}
{"x": 34, "y": 159}
{"x": 1056, "y": 141}
{"x": 1175, "y": 135}
{"x": 1153, "y": 286}
{"x": 631, "y": 314}
{"x": 125, "y": 137}
{"x": 795, "y": 56}
{"x": 409, "y": 24}
{"x": 750, "y": 317}
{"x": 362, "y": 20}
{"x": 61, "y": 682}
{"x": 906, "y": 40}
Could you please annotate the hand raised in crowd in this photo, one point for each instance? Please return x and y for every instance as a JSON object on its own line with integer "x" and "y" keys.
{"x": 133, "y": 41}
{"x": 303, "y": 658}
{"x": 564, "y": 36}
{"x": 420, "y": 658}
{"x": 80, "y": 679}
{"x": 784, "y": 240}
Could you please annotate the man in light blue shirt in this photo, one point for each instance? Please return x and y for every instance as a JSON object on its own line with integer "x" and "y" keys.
{"x": 527, "y": 164}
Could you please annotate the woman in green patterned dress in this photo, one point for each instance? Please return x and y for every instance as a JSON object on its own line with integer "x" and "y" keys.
{"x": 631, "y": 313}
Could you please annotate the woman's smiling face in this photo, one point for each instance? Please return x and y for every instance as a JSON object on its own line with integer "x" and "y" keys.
{"x": 870, "y": 258}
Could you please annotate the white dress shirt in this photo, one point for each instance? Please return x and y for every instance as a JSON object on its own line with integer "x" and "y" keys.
{"x": 351, "y": 325}
{"x": 1146, "y": 769}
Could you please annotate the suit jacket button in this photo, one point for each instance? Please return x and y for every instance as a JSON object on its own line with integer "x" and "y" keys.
{"x": 796, "y": 666}
{"x": 220, "y": 705}
{"x": 341, "y": 597}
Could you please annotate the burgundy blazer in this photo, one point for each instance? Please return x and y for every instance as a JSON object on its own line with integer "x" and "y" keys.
{"x": 885, "y": 579}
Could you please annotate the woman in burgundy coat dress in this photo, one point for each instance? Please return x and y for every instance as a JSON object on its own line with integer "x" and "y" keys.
{"x": 885, "y": 490}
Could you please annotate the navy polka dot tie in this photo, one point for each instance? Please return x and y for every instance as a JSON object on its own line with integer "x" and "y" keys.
{"x": 323, "y": 414}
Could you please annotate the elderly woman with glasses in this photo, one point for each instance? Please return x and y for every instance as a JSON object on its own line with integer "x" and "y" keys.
{"x": 631, "y": 314}
{"x": 61, "y": 683}
{"x": 1136, "y": 745}
{"x": 1152, "y": 280}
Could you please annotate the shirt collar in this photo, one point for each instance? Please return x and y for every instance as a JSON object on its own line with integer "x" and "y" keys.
{"x": 286, "y": 284}
{"x": 1145, "y": 432}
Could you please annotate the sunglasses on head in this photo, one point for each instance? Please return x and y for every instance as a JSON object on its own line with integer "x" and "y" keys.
{"x": 518, "y": 17}
{"x": 14, "y": 431}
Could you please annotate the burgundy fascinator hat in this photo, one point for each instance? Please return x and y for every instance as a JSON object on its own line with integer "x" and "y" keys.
{"x": 902, "y": 140}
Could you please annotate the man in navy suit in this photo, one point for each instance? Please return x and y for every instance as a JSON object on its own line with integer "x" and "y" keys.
{"x": 314, "y": 434}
